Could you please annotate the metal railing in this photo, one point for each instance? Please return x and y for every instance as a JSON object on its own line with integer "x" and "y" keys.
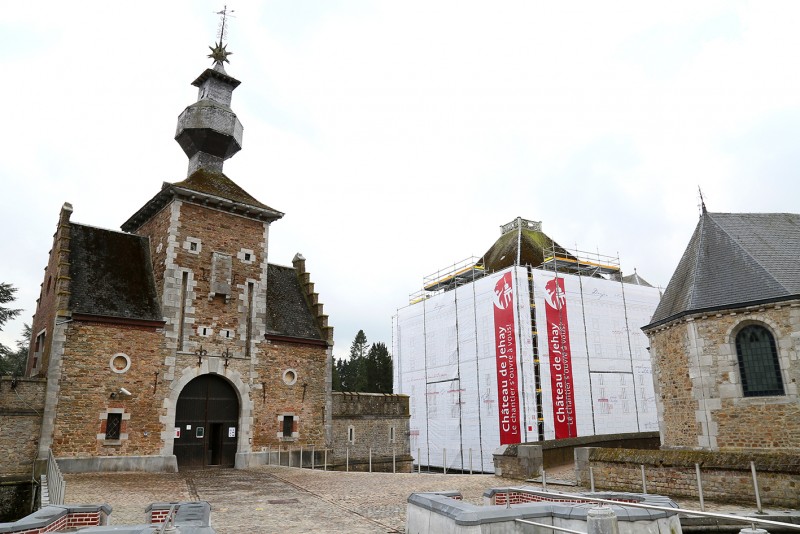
{"x": 752, "y": 521}
{"x": 169, "y": 521}
{"x": 56, "y": 486}
{"x": 306, "y": 458}
{"x": 551, "y": 527}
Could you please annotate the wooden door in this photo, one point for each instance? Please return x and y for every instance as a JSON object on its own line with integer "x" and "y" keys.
{"x": 206, "y": 422}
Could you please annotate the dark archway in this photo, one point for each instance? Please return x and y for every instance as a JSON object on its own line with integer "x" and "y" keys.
{"x": 207, "y": 423}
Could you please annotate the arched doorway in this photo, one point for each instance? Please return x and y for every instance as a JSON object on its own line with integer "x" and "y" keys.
{"x": 206, "y": 423}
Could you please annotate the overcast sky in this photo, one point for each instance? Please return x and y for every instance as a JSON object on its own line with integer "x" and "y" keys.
{"x": 398, "y": 136}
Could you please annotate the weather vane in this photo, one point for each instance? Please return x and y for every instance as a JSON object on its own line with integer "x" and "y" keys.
{"x": 218, "y": 52}
{"x": 222, "y": 31}
{"x": 702, "y": 201}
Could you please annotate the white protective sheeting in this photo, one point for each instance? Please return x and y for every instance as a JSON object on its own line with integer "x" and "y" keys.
{"x": 447, "y": 359}
{"x": 606, "y": 343}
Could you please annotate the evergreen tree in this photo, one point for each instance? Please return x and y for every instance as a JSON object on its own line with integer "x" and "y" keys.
{"x": 10, "y": 359}
{"x": 14, "y": 362}
{"x": 356, "y": 379}
{"x": 379, "y": 369}
{"x": 6, "y": 295}
{"x": 368, "y": 369}
{"x": 336, "y": 377}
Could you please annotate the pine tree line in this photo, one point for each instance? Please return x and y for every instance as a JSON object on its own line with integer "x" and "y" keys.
{"x": 368, "y": 370}
{"x": 12, "y": 362}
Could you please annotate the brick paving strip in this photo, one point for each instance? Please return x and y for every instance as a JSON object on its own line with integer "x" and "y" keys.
{"x": 288, "y": 500}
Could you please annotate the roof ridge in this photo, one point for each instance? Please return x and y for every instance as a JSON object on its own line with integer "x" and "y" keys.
{"x": 747, "y": 252}
{"x": 693, "y": 285}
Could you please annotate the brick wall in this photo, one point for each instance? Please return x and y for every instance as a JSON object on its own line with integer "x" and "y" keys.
{"x": 698, "y": 383}
{"x": 274, "y": 397}
{"x": 87, "y": 382}
{"x": 725, "y": 476}
{"x": 60, "y": 518}
{"x": 21, "y": 407}
{"x": 371, "y": 417}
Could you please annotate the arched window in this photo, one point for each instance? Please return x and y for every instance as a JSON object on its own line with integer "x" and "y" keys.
{"x": 758, "y": 362}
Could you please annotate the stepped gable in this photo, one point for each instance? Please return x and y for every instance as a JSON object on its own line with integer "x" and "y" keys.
{"x": 288, "y": 311}
{"x": 535, "y": 246}
{"x": 734, "y": 259}
{"x": 111, "y": 275}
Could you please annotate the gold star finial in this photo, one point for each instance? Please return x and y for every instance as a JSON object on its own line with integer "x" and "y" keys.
{"x": 219, "y": 53}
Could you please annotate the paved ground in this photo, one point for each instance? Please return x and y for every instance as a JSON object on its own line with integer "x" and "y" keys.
{"x": 289, "y": 500}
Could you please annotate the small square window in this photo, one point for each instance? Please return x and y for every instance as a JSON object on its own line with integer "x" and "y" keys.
{"x": 192, "y": 246}
{"x": 113, "y": 426}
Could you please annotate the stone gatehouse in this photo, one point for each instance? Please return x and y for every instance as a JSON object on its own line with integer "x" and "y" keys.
{"x": 175, "y": 342}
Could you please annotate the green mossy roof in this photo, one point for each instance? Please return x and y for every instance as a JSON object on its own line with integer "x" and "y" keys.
{"x": 535, "y": 247}
{"x": 219, "y": 185}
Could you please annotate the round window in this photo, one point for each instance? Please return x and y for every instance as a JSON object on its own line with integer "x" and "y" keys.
{"x": 289, "y": 377}
{"x": 120, "y": 363}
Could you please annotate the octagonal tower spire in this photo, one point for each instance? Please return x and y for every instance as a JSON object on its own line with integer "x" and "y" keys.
{"x": 208, "y": 130}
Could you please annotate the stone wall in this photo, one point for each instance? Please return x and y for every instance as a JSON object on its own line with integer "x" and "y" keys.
{"x": 89, "y": 386}
{"x": 522, "y": 461}
{"x": 21, "y": 408}
{"x": 725, "y": 476}
{"x": 698, "y": 383}
{"x": 371, "y": 419}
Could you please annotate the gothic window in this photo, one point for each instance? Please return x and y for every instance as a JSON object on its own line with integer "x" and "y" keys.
{"x": 758, "y": 362}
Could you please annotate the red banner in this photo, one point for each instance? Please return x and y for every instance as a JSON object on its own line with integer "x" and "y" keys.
{"x": 506, "y": 354}
{"x": 560, "y": 360}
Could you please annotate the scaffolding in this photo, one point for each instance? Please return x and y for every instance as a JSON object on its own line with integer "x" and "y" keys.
{"x": 581, "y": 263}
{"x": 460, "y": 273}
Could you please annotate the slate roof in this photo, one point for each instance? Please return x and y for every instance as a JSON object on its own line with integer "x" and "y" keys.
{"x": 288, "y": 311}
{"x": 111, "y": 274}
{"x": 535, "y": 247}
{"x": 636, "y": 280}
{"x": 734, "y": 259}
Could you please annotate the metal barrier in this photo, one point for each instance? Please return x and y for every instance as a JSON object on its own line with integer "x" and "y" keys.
{"x": 56, "y": 486}
{"x": 753, "y": 521}
{"x": 551, "y": 527}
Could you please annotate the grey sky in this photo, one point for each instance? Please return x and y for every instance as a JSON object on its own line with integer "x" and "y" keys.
{"x": 398, "y": 136}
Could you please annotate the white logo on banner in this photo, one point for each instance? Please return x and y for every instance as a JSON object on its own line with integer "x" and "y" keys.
{"x": 502, "y": 294}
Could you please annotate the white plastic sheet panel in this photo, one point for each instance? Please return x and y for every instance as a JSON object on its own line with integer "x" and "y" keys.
{"x": 607, "y": 348}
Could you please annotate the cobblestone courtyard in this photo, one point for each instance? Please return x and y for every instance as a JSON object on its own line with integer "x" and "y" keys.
{"x": 289, "y": 500}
